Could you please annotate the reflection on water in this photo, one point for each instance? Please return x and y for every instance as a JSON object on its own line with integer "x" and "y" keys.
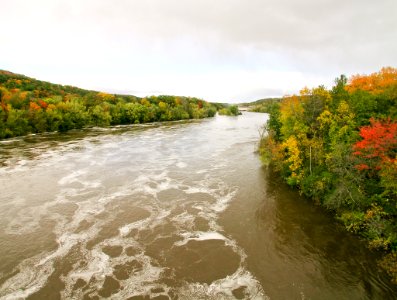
{"x": 182, "y": 210}
{"x": 326, "y": 262}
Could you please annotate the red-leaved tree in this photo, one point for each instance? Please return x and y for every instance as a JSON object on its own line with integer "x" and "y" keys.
{"x": 378, "y": 146}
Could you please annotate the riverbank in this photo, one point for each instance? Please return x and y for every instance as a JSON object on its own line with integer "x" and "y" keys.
{"x": 338, "y": 147}
{"x": 31, "y": 106}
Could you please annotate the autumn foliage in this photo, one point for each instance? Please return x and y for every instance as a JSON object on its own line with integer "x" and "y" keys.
{"x": 30, "y": 106}
{"x": 375, "y": 82}
{"x": 339, "y": 147}
{"x": 34, "y": 106}
{"x": 379, "y": 143}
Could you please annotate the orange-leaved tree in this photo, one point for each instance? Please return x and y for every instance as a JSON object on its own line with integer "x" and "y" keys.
{"x": 375, "y": 82}
{"x": 378, "y": 146}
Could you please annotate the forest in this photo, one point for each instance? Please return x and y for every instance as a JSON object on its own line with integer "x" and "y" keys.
{"x": 29, "y": 106}
{"x": 339, "y": 147}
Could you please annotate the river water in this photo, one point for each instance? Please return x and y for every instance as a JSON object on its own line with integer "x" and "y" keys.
{"x": 180, "y": 210}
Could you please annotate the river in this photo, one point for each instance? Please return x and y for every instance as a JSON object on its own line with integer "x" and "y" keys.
{"x": 179, "y": 210}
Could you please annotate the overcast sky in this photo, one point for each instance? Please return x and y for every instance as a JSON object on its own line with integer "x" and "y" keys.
{"x": 218, "y": 50}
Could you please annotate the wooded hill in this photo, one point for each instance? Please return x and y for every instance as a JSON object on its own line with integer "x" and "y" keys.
{"x": 261, "y": 105}
{"x": 28, "y": 106}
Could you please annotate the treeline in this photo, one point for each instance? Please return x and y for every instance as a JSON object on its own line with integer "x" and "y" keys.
{"x": 229, "y": 110}
{"x": 339, "y": 147}
{"x": 263, "y": 105}
{"x": 32, "y": 106}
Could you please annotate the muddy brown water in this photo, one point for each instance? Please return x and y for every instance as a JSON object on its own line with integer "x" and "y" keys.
{"x": 179, "y": 210}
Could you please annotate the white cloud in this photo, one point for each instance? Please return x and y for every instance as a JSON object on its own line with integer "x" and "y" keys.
{"x": 221, "y": 50}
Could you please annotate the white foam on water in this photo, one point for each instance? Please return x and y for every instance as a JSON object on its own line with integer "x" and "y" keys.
{"x": 141, "y": 282}
{"x": 156, "y": 218}
{"x": 39, "y": 155}
{"x": 149, "y": 272}
{"x": 65, "y": 242}
{"x": 152, "y": 185}
{"x": 199, "y": 236}
{"x": 181, "y": 165}
{"x": 98, "y": 266}
{"x": 72, "y": 177}
{"x": 222, "y": 202}
{"x": 223, "y": 195}
{"x": 28, "y": 281}
{"x": 126, "y": 229}
{"x": 27, "y": 219}
{"x": 141, "y": 184}
{"x": 223, "y": 288}
{"x": 184, "y": 221}
{"x": 34, "y": 272}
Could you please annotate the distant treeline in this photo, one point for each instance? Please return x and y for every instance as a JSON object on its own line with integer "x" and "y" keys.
{"x": 339, "y": 147}
{"x": 28, "y": 106}
{"x": 262, "y": 105}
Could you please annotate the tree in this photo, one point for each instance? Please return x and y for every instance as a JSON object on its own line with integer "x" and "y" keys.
{"x": 374, "y": 83}
{"x": 100, "y": 116}
{"x": 378, "y": 145}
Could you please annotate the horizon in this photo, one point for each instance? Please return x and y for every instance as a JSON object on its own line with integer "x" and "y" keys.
{"x": 124, "y": 94}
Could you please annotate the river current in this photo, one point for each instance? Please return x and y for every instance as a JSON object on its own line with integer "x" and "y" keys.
{"x": 179, "y": 210}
